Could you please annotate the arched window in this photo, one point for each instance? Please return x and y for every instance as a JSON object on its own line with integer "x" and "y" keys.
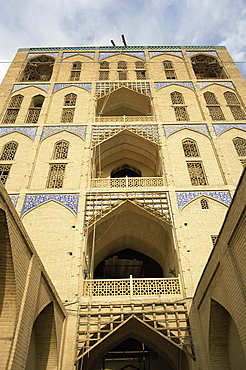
{"x": 38, "y": 69}
{"x": 9, "y": 151}
{"x": 204, "y": 203}
{"x": 68, "y": 113}
{"x": 234, "y": 106}
{"x": 213, "y": 106}
{"x": 75, "y": 71}
{"x": 206, "y": 66}
{"x": 179, "y": 107}
{"x": 104, "y": 71}
{"x": 35, "y": 109}
{"x": 61, "y": 150}
{"x": 169, "y": 70}
{"x": 240, "y": 146}
{"x": 122, "y": 65}
{"x": 140, "y": 70}
{"x": 13, "y": 109}
{"x": 190, "y": 148}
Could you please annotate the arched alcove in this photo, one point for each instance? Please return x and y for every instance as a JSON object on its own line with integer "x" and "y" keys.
{"x": 124, "y": 101}
{"x": 125, "y": 170}
{"x": 38, "y": 69}
{"x": 127, "y": 148}
{"x": 130, "y": 227}
{"x": 42, "y": 353}
{"x": 206, "y": 66}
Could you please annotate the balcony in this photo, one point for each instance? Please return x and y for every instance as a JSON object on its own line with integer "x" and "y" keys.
{"x": 132, "y": 287}
{"x": 124, "y": 118}
{"x": 127, "y": 182}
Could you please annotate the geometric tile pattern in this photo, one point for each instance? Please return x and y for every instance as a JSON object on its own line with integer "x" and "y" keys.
{"x": 31, "y": 55}
{"x": 86, "y": 86}
{"x": 218, "y": 129}
{"x": 138, "y": 54}
{"x": 89, "y": 55}
{"x": 159, "y": 85}
{"x": 29, "y": 131}
{"x": 69, "y": 200}
{"x": 185, "y": 197}
{"x": 229, "y": 84}
{"x": 153, "y": 54}
{"x": 77, "y": 130}
{"x": 44, "y": 87}
{"x": 170, "y": 129}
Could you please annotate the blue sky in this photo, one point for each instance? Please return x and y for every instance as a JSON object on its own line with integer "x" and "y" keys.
{"x": 35, "y": 23}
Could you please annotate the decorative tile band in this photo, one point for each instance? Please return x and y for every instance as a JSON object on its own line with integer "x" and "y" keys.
{"x": 159, "y": 85}
{"x": 170, "y": 129}
{"x": 218, "y": 129}
{"x": 185, "y": 197}
{"x": 29, "y": 131}
{"x": 83, "y": 86}
{"x": 44, "y": 87}
{"x": 138, "y": 54}
{"x": 153, "y": 54}
{"x": 229, "y": 84}
{"x": 190, "y": 53}
{"x": 168, "y": 47}
{"x": 31, "y": 55}
{"x": 77, "y": 130}
{"x": 89, "y": 55}
{"x": 69, "y": 200}
{"x": 14, "y": 199}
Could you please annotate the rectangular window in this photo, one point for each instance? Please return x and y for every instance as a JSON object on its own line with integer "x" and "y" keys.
{"x": 122, "y": 76}
{"x": 216, "y": 113}
{"x": 10, "y": 116}
{"x": 181, "y": 114}
{"x": 196, "y": 173}
{"x": 141, "y": 75}
{"x": 33, "y": 115}
{"x": 103, "y": 75}
{"x": 170, "y": 74}
{"x": 4, "y": 172}
{"x": 67, "y": 115}
{"x": 56, "y": 176}
{"x": 75, "y": 75}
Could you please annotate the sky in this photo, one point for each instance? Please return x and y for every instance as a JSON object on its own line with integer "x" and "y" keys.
{"x": 35, "y": 23}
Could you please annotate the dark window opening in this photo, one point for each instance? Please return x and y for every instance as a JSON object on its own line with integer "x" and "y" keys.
{"x": 125, "y": 170}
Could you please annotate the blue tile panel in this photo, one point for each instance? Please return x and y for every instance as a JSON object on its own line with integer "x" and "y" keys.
{"x": 219, "y": 129}
{"x": 29, "y": 131}
{"x": 77, "y": 130}
{"x": 153, "y": 54}
{"x": 229, "y": 84}
{"x": 14, "y": 199}
{"x": 86, "y": 86}
{"x": 185, "y": 197}
{"x": 190, "y": 53}
{"x": 69, "y": 200}
{"x": 89, "y": 55}
{"x": 32, "y": 55}
{"x": 170, "y": 129}
{"x": 138, "y": 54}
{"x": 44, "y": 87}
{"x": 159, "y": 85}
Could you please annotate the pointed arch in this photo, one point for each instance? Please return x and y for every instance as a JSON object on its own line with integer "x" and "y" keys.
{"x": 169, "y": 70}
{"x": 190, "y": 148}
{"x": 213, "y": 106}
{"x": 9, "y": 151}
{"x": 207, "y": 66}
{"x": 234, "y": 105}
{"x": 13, "y": 109}
{"x": 38, "y": 69}
{"x": 179, "y": 107}
{"x": 240, "y": 146}
{"x": 35, "y": 109}
{"x": 61, "y": 149}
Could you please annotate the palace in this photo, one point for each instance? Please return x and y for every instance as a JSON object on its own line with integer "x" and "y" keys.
{"x": 118, "y": 165}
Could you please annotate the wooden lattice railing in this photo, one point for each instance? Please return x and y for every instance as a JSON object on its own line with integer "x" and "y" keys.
{"x": 131, "y": 287}
{"x": 127, "y": 182}
{"x": 124, "y": 119}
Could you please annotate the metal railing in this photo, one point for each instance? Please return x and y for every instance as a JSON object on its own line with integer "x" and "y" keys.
{"x": 131, "y": 287}
{"x": 127, "y": 182}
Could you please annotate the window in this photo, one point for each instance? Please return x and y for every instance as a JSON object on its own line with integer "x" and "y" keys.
{"x": 68, "y": 113}
{"x": 75, "y": 71}
{"x": 61, "y": 150}
{"x": 190, "y": 148}
{"x": 35, "y": 109}
{"x": 104, "y": 74}
{"x": 214, "y": 239}
{"x": 196, "y": 173}
{"x": 56, "y": 176}
{"x": 234, "y": 106}
{"x": 169, "y": 70}
{"x": 206, "y": 66}
{"x": 13, "y": 109}
{"x": 240, "y": 146}
{"x": 204, "y": 203}
{"x": 4, "y": 172}
{"x": 122, "y": 65}
{"x": 38, "y": 69}
{"x": 213, "y": 106}
{"x": 179, "y": 107}
{"x": 9, "y": 151}
{"x": 140, "y": 70}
